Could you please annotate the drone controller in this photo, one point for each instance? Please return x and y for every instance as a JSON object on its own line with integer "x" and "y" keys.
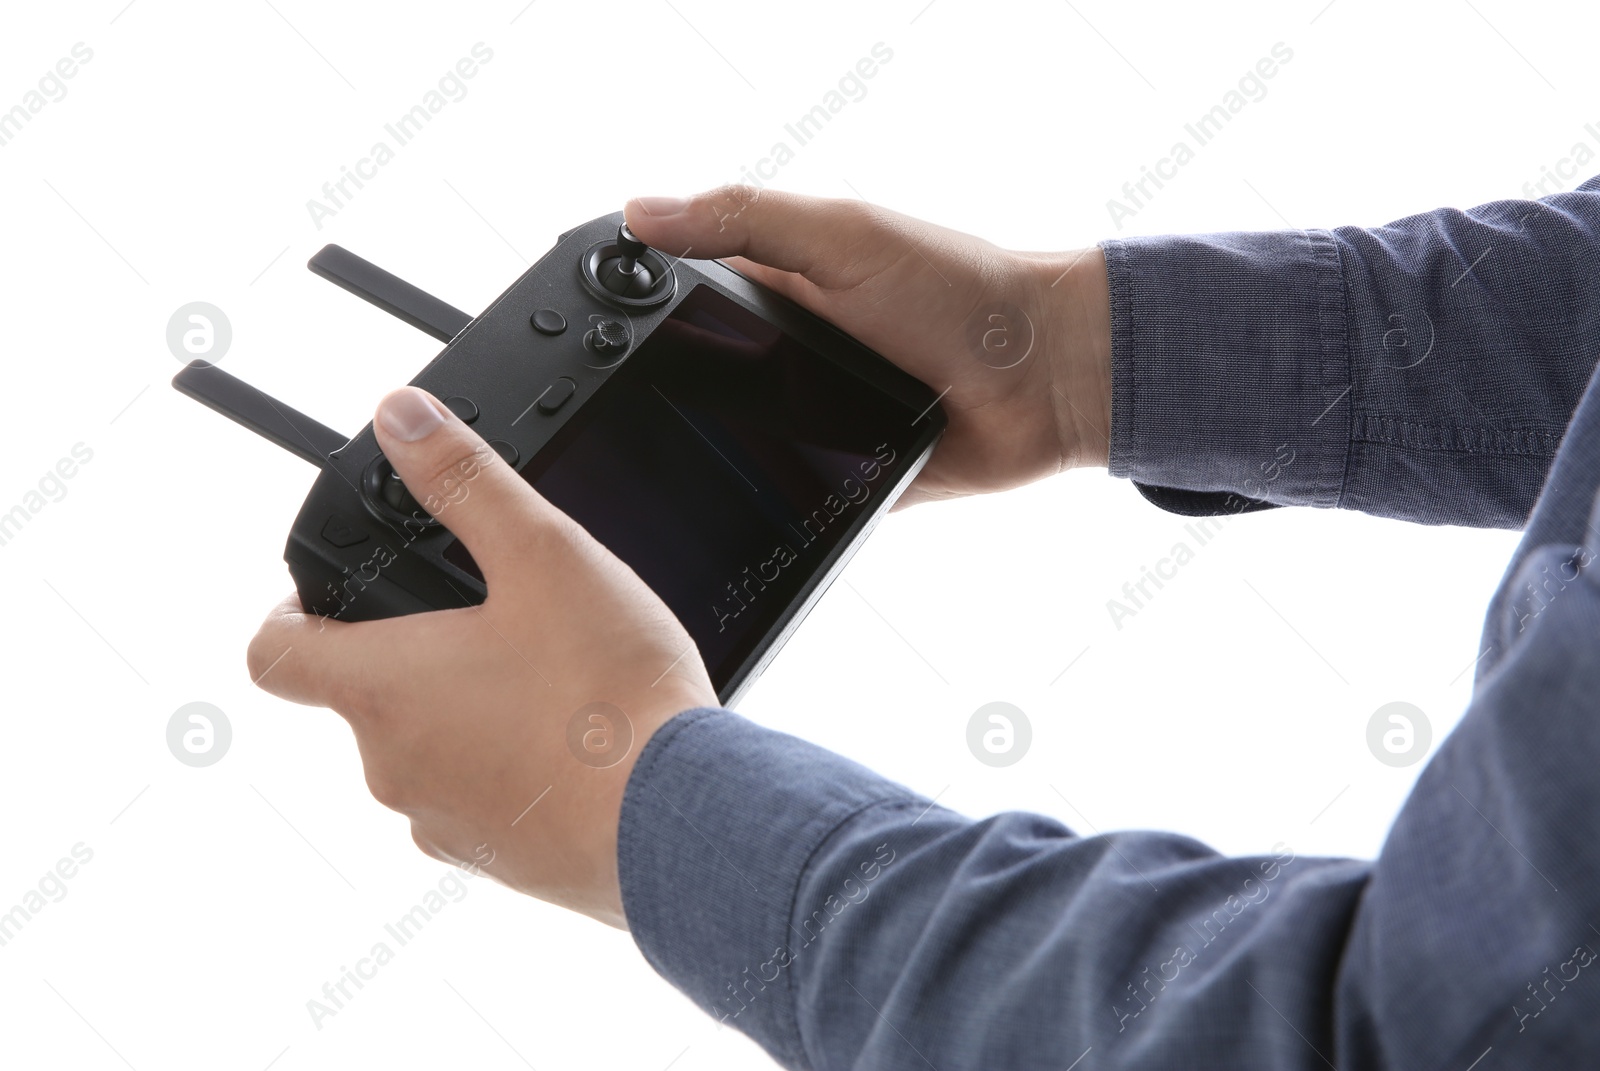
{"x": 730, "y": 447}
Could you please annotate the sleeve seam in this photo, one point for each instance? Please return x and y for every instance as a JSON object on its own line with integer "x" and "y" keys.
{"x": 1123, "y": 348}
{"x": 1457, "y": 438}
{"x": 1349, "y": 369}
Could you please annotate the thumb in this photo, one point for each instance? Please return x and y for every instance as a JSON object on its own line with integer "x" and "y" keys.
{"x": 824, "y": 239}
{"x": 460, "y": 480}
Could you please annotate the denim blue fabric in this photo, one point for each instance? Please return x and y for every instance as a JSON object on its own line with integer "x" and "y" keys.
{"x": 1432, "y": 370}
{"x": 1425, "y": 370}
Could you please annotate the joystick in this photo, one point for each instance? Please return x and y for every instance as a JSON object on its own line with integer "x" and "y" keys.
{"x": 388, "y": 494}
{"x": 725, "y": 444}
{"x": 627, "y": 272}
{"x": 624, "y": 274}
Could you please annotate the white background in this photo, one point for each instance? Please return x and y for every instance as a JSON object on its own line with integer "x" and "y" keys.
{"x": 178, "y": 167}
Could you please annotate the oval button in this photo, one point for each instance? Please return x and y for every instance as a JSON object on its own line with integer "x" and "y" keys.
{"x": 556, "y": 395}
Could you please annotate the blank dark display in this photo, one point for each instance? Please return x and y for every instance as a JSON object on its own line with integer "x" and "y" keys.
{"x": 723, "y": 462}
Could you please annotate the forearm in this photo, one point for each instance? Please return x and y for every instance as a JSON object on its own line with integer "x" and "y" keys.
{"x": 1423, "y": 370}
{"x": 843, "y": 921}
{"x": 719, "y": 824}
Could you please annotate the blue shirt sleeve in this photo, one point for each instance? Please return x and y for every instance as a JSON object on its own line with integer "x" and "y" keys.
{"x": 1425, "y": 370}
{"x": 843, "y": 920}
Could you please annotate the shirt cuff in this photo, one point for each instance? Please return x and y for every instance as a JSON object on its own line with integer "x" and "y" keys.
{"x": 719, "y": 822}
{"x": 1230, "y": 371}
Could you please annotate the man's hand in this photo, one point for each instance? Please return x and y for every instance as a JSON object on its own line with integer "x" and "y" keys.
{"x": 1020, "y": 342}
{"x": 505, "y": 731}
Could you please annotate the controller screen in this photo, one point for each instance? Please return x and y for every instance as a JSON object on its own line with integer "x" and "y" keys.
{"x": 722, "y": 462}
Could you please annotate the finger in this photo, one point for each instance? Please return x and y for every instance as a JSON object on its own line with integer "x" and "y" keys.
{"x": 797, "y": 288}
{"x": 822, "y": 239}
{"x": 425, "y": 844}
{"x": 919, "y": 492}
{"x": 300, "y": 657}
{"x": 463, "y": 483}
{"x": 911, "y": 497}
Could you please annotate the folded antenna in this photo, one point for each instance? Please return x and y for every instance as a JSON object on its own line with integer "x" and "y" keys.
{"x": 389, "y": 292}
{"x": 258, "y": 411}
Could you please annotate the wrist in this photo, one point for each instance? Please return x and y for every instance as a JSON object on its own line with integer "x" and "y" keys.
{"x": 597, "y": 819}
{"x": 1074, "y": 297}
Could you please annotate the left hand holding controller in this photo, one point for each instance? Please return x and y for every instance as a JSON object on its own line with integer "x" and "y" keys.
{"x": 546, "y": 692}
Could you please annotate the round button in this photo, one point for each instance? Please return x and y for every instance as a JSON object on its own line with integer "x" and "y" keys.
{"x": 548, "y": 322}
{"x": 464, "y": 408}
{"x": 506, "y": 451}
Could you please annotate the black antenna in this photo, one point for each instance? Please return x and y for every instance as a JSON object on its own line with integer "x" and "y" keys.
{"x": 390, "y": 293}
{"x": 258, "y": 411}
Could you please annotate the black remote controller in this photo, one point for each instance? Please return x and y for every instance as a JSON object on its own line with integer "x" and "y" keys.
{"x": 728, "y": 445}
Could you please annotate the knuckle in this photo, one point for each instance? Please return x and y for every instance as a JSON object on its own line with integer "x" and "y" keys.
{"x": 728, "y": 203}
{"x": 262, "y": 654}
{"x": 449, "y": 481}
{"x": 545, "y": 540}
{"x": 361, "y": 691}
{"x": 424, "y": 843}
{"x": 387, "y": 789}
{"x": 349, "y": 700}
{"x": 863, "y": 215}
{"x": 255, "y": 660}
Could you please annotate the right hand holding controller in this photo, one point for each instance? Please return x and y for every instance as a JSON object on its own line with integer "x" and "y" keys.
{"x": 940, "y": 304}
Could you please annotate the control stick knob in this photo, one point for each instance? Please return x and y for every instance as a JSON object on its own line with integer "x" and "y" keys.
{"x": 395, "y": 492}
{"x": 624, "y": 274}
{"x": 386, "y": 491}
{"x": 624, "y": 271}
{"x": 632, "y": 249}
